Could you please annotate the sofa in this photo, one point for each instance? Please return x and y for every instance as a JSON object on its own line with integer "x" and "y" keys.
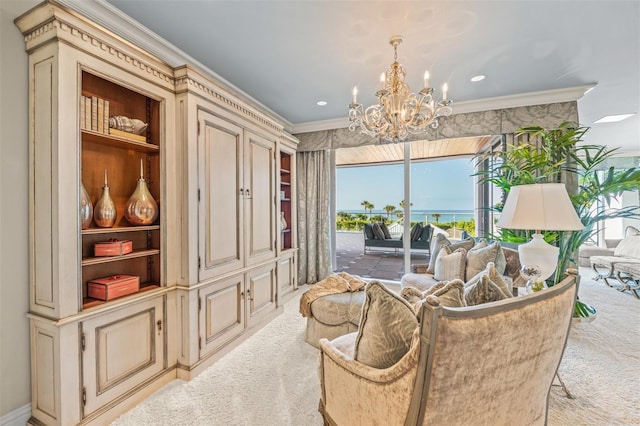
{"x": 334, "y": 315}
{"x": 627, "y": 255}
{"x": 377, "y": 235}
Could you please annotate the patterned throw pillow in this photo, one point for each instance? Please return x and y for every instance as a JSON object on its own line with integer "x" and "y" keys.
{"x": 377, "y": 231}
{"x": 483, "y": 291}
{"x": 630, "y": 245}
{"x": 385, "y": 231}
{"x": 387, "y": 324}
{"x": 450, "y": 265}
{"x": 416, "y": 231}
{"x": 483, "y": 253}
{"x": 494, "y": 276}
{"x": 449, "y": 293}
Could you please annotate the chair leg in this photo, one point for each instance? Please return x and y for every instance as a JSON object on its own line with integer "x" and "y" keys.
{"x": 629, "y": 283}
{"x": 564, "y": 387}
{"x": 605, "y": 273}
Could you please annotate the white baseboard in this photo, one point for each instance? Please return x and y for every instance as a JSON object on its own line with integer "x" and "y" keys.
{"x": 18, "y": 417}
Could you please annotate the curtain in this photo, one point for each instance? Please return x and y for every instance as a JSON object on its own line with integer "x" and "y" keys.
{"x": 314, "y": 237}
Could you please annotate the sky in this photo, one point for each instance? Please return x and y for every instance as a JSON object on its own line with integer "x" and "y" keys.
{"x": 436, "y": 185}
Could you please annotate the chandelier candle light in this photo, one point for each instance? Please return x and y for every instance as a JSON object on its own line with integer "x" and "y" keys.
{"x": 399, "y": 112}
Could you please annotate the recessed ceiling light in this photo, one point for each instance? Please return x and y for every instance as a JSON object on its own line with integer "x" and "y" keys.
{"x": 613, "y": 118}
{"x": 321, "y": 103}
{"x": 478, "y": 77}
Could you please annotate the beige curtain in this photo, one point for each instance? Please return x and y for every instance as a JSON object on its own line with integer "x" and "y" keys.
{"x": 314, "y": 238}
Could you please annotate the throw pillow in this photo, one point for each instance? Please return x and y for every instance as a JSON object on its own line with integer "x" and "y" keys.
{"x": 377, "y": 231}
{"x": 441, "y": 240}
{"x": 630, "y": 245}
{"x": 450, "y": 265}
{"x": 449, "y": 293}
{"x": 385, "y": 231}
{"x": 416, "y": 231}
{"x": 483, "y": 253}
{"x": 387, "y": 323}
{"x": 494, "y": 276}
{"x": 426, "y": 233}
{"x": 368, "y": 231}
{"x": 483, "y": 291}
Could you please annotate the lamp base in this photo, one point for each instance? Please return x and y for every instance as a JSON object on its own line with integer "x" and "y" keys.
{"x": 541, "y": 254}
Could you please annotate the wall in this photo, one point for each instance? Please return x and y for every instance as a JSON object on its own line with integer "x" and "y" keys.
{"x": 15, "y": 390}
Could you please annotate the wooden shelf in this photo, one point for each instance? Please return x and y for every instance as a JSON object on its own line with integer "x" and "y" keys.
{"x": 117, "y": 229}
{"x": 285, "y": 172}
{"x": 88, "y": 261}
{"x": 119, "y": 142}
{"x": 284, "y": 231}
{"x": 90, "y": 302}
{"x": 285, "y": 183}
{"x": 286, "y": 200}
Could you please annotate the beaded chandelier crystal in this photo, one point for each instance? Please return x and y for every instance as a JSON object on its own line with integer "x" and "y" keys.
{"x": 399, "y": 112}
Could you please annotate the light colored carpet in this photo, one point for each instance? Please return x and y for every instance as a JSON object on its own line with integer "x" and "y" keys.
{"x": 271, "y": 379}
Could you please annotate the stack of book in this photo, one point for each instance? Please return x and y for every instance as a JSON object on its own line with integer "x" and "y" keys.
{"x": 94, "y": 114}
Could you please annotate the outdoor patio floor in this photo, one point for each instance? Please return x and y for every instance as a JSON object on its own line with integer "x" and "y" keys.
{"x": 377, "y": 263}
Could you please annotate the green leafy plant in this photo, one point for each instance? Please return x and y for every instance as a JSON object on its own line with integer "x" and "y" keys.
{"x": 556, "y": 155}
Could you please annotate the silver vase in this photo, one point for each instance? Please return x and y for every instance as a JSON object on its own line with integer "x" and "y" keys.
{"x": 104, "y": 213}
{"x": 141, "y": 208}
{"x": 86, "y": 207}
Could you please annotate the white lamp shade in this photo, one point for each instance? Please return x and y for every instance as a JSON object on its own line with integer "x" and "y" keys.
{"x": 539, "y": 206}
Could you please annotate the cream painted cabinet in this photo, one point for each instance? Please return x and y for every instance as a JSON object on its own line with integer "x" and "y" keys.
{"x": 261, "y": 293}
{"x": 96, "y": 353}
{"x": 287, "y": 273}
{"x": 236, "y": 197}
{"x": 122, "y": 350}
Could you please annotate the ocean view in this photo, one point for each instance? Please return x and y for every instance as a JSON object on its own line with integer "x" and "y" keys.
{"x": 446, "y": 216}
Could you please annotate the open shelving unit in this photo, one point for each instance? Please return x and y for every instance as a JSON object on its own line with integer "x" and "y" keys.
{"x": 285, "y": 199}
{"x": 120, "y": 157}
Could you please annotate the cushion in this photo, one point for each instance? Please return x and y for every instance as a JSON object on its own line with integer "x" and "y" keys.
{"x": 449, "y": 293}
{"x": 441, "y": 240}
{"x": 377, "y": 231}
{"x": 425, "y": 235}
{"x": 416, "y": 231}
{"x": 386, "y": 327}
{"x": 420, "y": 281}
{"x": 630, "y": 244}
{"x": 368, "y": 231}
{"x": 494, "y": 276}
{"x": 483, "y": 291}
{"x": 450, "y": 265}
{"x": 483, "y": 253}
{"x": 337, "y": 309}
{"x": 385, "y": 231}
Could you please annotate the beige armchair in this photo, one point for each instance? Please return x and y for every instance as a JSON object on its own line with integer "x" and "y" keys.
{"x": 490, "y": 364}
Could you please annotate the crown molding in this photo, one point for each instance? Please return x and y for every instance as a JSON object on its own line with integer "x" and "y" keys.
{"x": 121, "y": 24}
{"x": 488, "y": 104}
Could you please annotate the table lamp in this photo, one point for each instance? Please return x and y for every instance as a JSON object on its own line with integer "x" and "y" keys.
{"x": 539, "y": 207}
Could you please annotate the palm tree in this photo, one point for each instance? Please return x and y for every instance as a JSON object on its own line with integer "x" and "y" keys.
{"x": 402, "y": 204}
{"x": 436, "y": 216}
{"x": 367, "y": 206}
{"x": 389, "y": 209}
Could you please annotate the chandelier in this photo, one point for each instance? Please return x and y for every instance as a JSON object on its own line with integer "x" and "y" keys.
{"x": 399, "y": 112}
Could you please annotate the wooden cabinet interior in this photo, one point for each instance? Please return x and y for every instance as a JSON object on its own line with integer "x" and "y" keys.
{"x": 285, "y": 198}
{"x": 121, "y": 158}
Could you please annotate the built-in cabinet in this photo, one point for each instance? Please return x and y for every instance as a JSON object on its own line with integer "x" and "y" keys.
{"x": 214, "y": 266}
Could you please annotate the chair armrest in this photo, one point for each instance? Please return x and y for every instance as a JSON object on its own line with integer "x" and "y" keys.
{"x": 406, "y": 363}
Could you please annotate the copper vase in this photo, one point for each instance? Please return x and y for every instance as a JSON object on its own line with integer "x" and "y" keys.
{"x": 86, "y": 208}
{"x": 141, "y": 208}
{"x": 104, "y": 213}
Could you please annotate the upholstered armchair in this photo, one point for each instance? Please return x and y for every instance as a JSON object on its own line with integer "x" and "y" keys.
{"x": 490, "y": 364}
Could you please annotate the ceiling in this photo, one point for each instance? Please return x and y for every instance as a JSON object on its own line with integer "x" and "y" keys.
{"x": 288, "y": 55}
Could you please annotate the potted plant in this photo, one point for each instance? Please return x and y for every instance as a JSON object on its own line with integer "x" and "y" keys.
{"x": 554, "y": 155}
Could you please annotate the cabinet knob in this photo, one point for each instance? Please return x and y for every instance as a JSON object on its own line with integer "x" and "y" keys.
{"x": 248, "y": 193}
{"x": 241, "y": 191}
{"x": 159, "y": 324}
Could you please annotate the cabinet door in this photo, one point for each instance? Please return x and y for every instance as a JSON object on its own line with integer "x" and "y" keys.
{"x": 122, "y": 350}
{"x": 220, "y": 153}
{"x": 286, "y": 277}
{"x": 221, "y": 313}
{"x": 261, "y": 293}
{"x": 260, "y": 207}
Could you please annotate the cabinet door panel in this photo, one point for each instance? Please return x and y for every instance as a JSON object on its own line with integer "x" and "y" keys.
{"x": 286, "y": 275}
{"x": 221, "y": 313}
{"x": 122, "y": 350}
{"x": 220, "y": 210}
{"x": 261, "y": 286}
{"x": 259, "y": 180}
